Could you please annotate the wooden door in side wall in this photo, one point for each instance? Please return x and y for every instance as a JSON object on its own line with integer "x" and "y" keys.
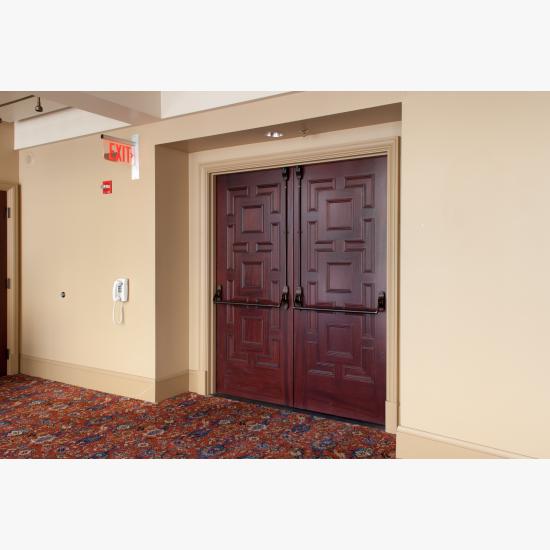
{"x": 340, "y": 327}
{"x": 3, "y": 287}
{"x": 252, "y": 330}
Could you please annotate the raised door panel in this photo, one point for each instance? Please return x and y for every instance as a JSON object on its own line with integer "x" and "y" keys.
{"x": 250, "y": 250}
{"x": 339, "y": 368}
{"x": 343, "y": 232}
{"x": 251, "y": 359}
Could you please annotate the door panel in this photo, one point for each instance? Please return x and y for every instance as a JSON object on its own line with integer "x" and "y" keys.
{"x": 252, "y": 351}
{"x": 339, "y": 363}
{"x": 250, "y": 247}
{"x": 251, "y": 358}
{"x": 339, "y": 368}
{"x": 343, "y": 232}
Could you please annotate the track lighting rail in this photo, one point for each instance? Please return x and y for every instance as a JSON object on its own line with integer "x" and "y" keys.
{"x": 16, "y": 100}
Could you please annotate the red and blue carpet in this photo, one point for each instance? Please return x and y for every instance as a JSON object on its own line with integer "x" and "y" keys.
{"x": 45, "y": 419}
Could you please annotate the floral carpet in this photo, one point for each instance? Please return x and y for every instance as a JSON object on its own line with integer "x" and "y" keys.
{"x": 45, "y": 419}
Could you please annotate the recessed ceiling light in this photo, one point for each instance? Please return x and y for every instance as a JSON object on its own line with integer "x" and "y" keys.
{"x": 274, "y": 134}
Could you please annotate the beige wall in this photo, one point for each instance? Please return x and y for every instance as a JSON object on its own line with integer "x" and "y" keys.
{"x": 9, "y": 159}
{"x": 474, "y": 258}
{"x": 475, "y": 267}
{"x": 76, "y": 240}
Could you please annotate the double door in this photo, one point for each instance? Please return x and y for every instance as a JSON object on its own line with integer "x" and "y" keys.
{"x": 300, "y": 287}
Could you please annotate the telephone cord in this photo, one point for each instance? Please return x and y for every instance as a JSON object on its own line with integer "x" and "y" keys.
{"x": 120, "y": 319}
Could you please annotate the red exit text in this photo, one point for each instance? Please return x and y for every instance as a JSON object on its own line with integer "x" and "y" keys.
{"x": 119, "y": 152}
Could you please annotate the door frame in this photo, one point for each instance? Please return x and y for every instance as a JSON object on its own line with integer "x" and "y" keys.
{"x": 206, "y": 322}
{"x": 12, "y": 191}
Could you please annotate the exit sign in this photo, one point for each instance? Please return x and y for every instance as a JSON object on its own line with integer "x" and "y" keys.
{"x": 118, "y": 150}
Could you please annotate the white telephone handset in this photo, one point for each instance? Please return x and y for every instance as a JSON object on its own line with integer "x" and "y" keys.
{"x": 120, "y": 290}
{"x": 120, "y": 294}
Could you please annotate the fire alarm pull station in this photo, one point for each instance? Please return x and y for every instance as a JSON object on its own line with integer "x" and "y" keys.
{"x": 107, "y": 187}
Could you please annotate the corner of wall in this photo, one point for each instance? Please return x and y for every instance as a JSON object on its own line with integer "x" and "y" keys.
{"x": 9, "y": 158}
{"x": 171, "y": 272}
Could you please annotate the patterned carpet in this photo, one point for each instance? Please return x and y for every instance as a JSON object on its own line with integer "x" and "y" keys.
{"x": 45, "y": 419}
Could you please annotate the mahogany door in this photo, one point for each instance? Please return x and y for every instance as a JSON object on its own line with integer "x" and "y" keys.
{"x": 252, "y": 330}
{"x": 325, "y": 350}
{"x": 339, "y": 320}
{"x": 3, "y": 287}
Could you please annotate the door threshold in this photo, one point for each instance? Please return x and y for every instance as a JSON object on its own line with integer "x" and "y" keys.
{"x": 304, "y": 411}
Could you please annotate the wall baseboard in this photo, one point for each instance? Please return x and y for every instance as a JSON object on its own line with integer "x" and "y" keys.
{"x": 197, "y": 381}
{"x": 170, "y": 387}
{"x": 413, "y": 443}
{"x": 128, "y": 385}
{"x": 108, "y": 381}
{"x": 391, "y": 417}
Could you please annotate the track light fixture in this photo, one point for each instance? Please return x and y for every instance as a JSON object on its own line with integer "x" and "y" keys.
{"x": 38, "y": 107}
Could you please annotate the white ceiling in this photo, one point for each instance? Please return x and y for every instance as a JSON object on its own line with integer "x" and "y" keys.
{"x": 101, "y": 111}
{"x": 128, "y": 107}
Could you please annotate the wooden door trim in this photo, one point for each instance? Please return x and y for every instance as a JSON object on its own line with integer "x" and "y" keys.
{"x": 12, "y": 191}
{"x": 206, "y": 174}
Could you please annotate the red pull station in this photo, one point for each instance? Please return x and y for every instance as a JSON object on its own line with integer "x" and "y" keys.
{"x": 107, "y": 187}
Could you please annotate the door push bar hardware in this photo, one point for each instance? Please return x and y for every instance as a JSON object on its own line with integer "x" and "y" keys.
{"x": 381, "y": 307}
{"x": 219, "y": 301}
{"x": 299, "y": 298}
{"x": 284, "y": 298}
{"x": 381, "y": 303}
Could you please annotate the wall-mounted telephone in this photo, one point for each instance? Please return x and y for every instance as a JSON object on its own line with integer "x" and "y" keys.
{"x": 120, "y": 290}
{"x": 120, "y": 295}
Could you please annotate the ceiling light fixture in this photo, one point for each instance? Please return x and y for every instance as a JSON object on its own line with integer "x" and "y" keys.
{"x": 274, "y": 134}
{"x": 38, "y": 107}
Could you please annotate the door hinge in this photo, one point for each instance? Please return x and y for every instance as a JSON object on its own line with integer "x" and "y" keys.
{"x": 7, "y": 354}
{"x": 8, "y": 283}
{"x": 8, "y": 212}
{"x": 286, "y": 173}
{"x": 299, "y": 172}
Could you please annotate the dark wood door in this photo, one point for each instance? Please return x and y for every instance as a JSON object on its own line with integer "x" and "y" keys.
{"x": 252, "y": 340}
{"x": 3, "y": 289}
{"x": 326, "y": 351}
{"x": 339, "y": 359}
